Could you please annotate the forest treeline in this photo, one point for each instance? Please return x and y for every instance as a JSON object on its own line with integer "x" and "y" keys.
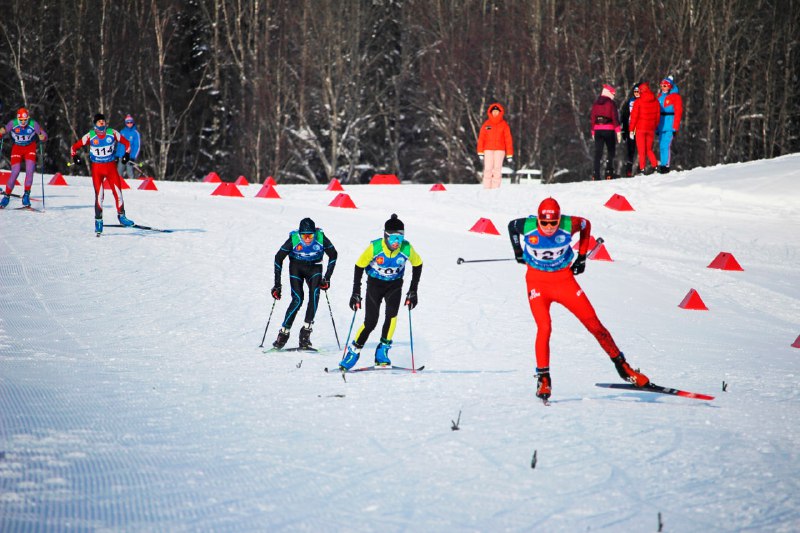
{"x": 307, "y": 90}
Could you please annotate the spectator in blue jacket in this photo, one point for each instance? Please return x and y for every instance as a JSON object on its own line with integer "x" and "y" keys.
{"x": 671, "y": 114}
{"x": 131, "y": 133}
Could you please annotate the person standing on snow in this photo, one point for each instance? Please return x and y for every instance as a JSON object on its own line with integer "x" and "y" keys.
{"x": 102, "y": 142}
{"x": 130, "y": 132}
{"x": 385, "y": 262}
{"x": 24, "y": 132}
{"x": 494, "y": 144}
{"x": 644, "y": 121}
{"x": 543, "y": 244}
{"x": 625, "y": 121}
{"x": 606, "y": 130}
{"x": 305, "y": 248}
{"x": 671, "y": 113}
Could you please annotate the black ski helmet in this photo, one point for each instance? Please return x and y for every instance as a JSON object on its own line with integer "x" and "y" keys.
{"x": 307, "y": 226}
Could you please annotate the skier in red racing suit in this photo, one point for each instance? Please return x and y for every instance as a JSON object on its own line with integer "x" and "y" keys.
{"x": 543, "y": 244}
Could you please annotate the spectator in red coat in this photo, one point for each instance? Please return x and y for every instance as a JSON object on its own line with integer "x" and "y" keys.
{"x": 606, "y": 130}
{"x": 644, "y": 121}
{"x": 494, "y": 144}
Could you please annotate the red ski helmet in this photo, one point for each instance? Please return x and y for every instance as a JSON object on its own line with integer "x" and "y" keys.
{"x": 549, "y": 209}
{"x": 22, "y": 114}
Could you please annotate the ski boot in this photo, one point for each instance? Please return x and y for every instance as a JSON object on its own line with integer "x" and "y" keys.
{"x": 543, "y": 383}
{"x": 98, "y": 225}
{"x": 5, "y": 200}
{"x": 351, "y": 357}
{"x": 26, "y": 199}
{"x": 283, "y": 336}
{"x": 305, "y": 337}
{"x": 627, "y": 373}
{"x": 382, "y": 353}
{"x": 125, "y": 221}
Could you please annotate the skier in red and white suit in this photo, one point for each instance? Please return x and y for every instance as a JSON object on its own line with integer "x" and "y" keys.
{"x": 543, "y": 243}
{"x": 102, "y": 142}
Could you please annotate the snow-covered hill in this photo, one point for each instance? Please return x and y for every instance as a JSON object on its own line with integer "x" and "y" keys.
{"x": 133, "y": 394}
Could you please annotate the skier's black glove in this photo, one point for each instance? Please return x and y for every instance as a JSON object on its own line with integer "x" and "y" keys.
{"x": 355, "y": 301}
{"x": 276, "y": 292}
{"x": 325, "y": 284}
{"x": 519, "y": 257}
{"x": 76, "y": 159}
{"x": 579, "y": 265}
{"x": 125, "y": 158}
{"x": 411, "y": 299}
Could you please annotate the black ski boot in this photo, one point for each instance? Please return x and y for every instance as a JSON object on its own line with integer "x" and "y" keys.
{"x": 283, "y": 336}
{"x": 543, "y": 384}
{"x": 305, "y": 337}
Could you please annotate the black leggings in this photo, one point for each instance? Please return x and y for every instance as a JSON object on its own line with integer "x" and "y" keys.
{"x": 303, "y": 272}
{"x": 378, "y": 291}
{"x": 608, "y": 139}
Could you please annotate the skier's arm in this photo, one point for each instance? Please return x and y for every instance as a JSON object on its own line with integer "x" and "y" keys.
{"x": 330, "y": 251}
{"x": 283, "y": 251}
{"x": 585, "y": 227}
{"x": 125, "y": 142}
{"x": 83, "y": 141}
{"x": 514, "y": 231}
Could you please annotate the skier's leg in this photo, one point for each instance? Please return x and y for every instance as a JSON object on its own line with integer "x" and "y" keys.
{"x": 539, "y": 301}
{"x": 575, "y": 300}
{"x": 313, "y": 277}
{"x": 296, "y": 286}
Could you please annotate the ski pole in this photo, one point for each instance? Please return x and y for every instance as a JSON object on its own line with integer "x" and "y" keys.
{"x": 597, "y": 244}
{"x": 350, "y": 331}
{"x": 41, "y": 156}
{"x": 268, "y": 321}
{"x": 462, "y": 260}
{"x": 411, "y": 336}
{"x": 332, "y": 321}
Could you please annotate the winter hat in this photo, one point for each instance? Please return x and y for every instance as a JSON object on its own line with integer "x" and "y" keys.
{"x": 394, "y": 225}
{"x": 307, "y": 226}
{"x": 549, "y": 209}
{"x": 128, "y": 118}
{"x": 22, "y": 114}
{"x": 99, "y": 116}
{"x": 670, "y": 80}
{"x": 608, "y": 90}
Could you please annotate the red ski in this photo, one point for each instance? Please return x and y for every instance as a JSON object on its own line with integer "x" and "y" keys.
{"x": 652, "y": 387}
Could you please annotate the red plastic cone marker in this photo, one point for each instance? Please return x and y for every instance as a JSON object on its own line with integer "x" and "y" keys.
{"x": 227, "y": 189}
{"x": 212, "y": 177}
{"x": 484, "y": 225}
{"x": 57, "y": 179}
{"x": 725, "y": 261}
{"x": 384, "y": 179}
{"x": 242, "y": 181}
{"x": 334, "y": 185}
{"x": 618, "y": 203}
{"x": 343, "y": 200}
{"x": 148, "y": 184}
{"x": 692, "y": 300}
{"x": 268, "y": 191}
{"x": 438, "y": 187}
{"x": 122, "y": 184}
{"x": 270, "y": 181}
{"x": 592, "y": 242}
{"x": 601, "y": 254}
{"x": 796, "y": 342}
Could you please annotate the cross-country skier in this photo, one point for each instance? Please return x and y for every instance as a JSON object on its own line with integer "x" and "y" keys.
{"x": 24, "y": 132}
{"x": 305, "y": 248}
{"x": 543, "y": 244}
{"x": 385, "y": 261}
{"x": 102, "y": 142}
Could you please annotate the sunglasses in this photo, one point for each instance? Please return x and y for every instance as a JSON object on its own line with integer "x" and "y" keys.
{"x": 548, "y": 222}
{"x": 128, "y": 122}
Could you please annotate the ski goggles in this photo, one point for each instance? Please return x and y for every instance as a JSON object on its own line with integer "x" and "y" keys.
{"x": 394, "y": 239}
{"x": 306, "y": 236}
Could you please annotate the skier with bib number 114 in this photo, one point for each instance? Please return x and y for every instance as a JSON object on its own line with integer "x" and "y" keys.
{"x": 543, "y": 243}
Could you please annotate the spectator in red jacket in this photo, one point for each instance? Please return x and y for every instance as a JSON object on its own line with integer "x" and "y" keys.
{"x": 606, "y": 130}
{"x": 494, "y": 144}
{"x": 644, "y": 121}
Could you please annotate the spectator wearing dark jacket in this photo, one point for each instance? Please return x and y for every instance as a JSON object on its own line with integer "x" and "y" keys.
{"x": 630, "y": 142}
{"x": 644, "y": 121}
{"x": 606, "y": 130}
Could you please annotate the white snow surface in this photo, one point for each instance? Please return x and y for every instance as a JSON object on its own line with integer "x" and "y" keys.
{"x": 134, "y": 396}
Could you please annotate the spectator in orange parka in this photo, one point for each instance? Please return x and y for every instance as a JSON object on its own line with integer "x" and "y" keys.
{"x": 494, "y": 144}
{"x": 644, "y": 121}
